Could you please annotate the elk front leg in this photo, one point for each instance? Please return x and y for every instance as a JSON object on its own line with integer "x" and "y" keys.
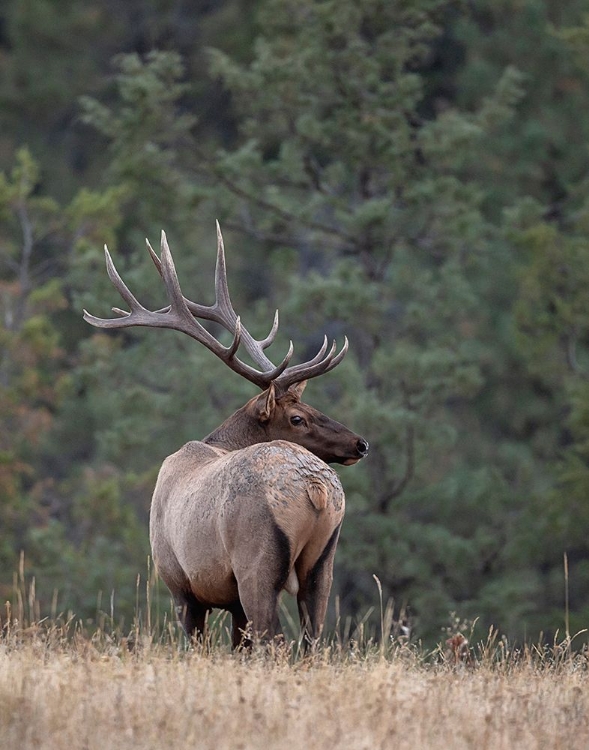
{"x": 314, "y": 591}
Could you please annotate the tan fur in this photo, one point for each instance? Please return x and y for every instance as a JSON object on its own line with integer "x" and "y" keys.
{"x": 318, "y": 494}
{"x": 252, "y": 510}
{"x": 213, "y": 520}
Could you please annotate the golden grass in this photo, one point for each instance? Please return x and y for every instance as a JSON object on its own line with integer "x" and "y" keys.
{"x": 64, "y": 686}
{"x": 96, "y": 693}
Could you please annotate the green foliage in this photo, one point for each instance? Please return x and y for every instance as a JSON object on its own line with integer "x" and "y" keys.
{"x": 392, "y": 241}
{"x": 38, "y": 507}
{"x": 147, "y": 129}
{"x": 407, "y": 174}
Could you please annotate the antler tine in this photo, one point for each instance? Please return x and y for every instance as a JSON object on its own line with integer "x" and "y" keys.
{"x": 232, "y": 350}
{"x": 222, "y": 299}
{"x": 265, "y": 343}
{"x": 319, "y": 365}
{"x": 319, "y": 357}
{"x": 222, "y": 312}
{"x": 201, "y": 311}
{"x": 170, "y": 277}
{"x": 125, "y": 293}
{"x": 156, "y": 261}
{"x": 277, "y": 371}
{"x": 118, "y": 282}
{"x": 191, "y": 326}
{"x": 338, "y": 357}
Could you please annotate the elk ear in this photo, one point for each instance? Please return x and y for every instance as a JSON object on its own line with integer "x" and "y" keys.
{"x": 297, "y": 389}
{"x": 265, "y": 403}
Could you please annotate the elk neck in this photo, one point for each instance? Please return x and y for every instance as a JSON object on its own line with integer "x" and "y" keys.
{"x": 237, "y": 431}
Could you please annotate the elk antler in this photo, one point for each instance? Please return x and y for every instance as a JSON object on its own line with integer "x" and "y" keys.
{"x": 181, "y": 315}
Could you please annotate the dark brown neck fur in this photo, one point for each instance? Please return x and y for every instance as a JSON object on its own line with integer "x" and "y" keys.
{"x": 237, "y": 431}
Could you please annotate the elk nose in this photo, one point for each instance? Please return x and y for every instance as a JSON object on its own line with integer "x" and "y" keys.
{"x": 362, "y": 447}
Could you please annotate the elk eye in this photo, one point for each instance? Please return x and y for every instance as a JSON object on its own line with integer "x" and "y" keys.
{"x": 296, "y": 420}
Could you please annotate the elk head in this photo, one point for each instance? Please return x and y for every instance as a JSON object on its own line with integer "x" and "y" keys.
{"x": 276, "y": 414}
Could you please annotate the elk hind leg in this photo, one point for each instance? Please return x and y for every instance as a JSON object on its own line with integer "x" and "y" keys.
{"x": 239, "y": 630}
{"x": 314, "y": 591}
{"x": 191, "y": 613}
{"x": 260, "y": 606}
{"x": 259, "y": 584}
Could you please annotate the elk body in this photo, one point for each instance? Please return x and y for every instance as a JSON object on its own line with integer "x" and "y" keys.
{"x": 253, "y": 508}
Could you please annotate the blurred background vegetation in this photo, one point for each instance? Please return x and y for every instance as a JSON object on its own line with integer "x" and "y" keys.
{"x": 412, "y": 174}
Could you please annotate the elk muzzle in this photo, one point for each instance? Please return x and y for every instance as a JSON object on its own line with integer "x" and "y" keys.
{"x": 361, "y": 451}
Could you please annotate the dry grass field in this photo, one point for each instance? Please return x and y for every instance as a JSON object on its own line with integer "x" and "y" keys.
{"x": 66, "y": 685}
{"x": 97, "y": 693}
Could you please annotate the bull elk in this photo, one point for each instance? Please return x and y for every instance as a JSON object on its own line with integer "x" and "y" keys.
{"x": 253, "y": 508}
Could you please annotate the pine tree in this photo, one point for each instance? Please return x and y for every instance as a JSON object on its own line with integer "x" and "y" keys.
{"x": 373, "y": 221}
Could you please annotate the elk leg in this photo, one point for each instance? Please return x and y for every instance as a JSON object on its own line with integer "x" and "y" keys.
{"x": 260, "y": 581}
{"x": 239, "y": 627}
{"x": 259, "y": 599}
{"x": 314, "y": 591}
{"x": 191, "y": 613}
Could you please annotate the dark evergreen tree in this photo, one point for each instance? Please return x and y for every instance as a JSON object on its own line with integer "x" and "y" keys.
{"x": 369, "y": 200}
{"x": 411, "y": 175}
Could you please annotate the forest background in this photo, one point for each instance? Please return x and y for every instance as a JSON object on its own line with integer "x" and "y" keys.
{"x": 410, "y": 174}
